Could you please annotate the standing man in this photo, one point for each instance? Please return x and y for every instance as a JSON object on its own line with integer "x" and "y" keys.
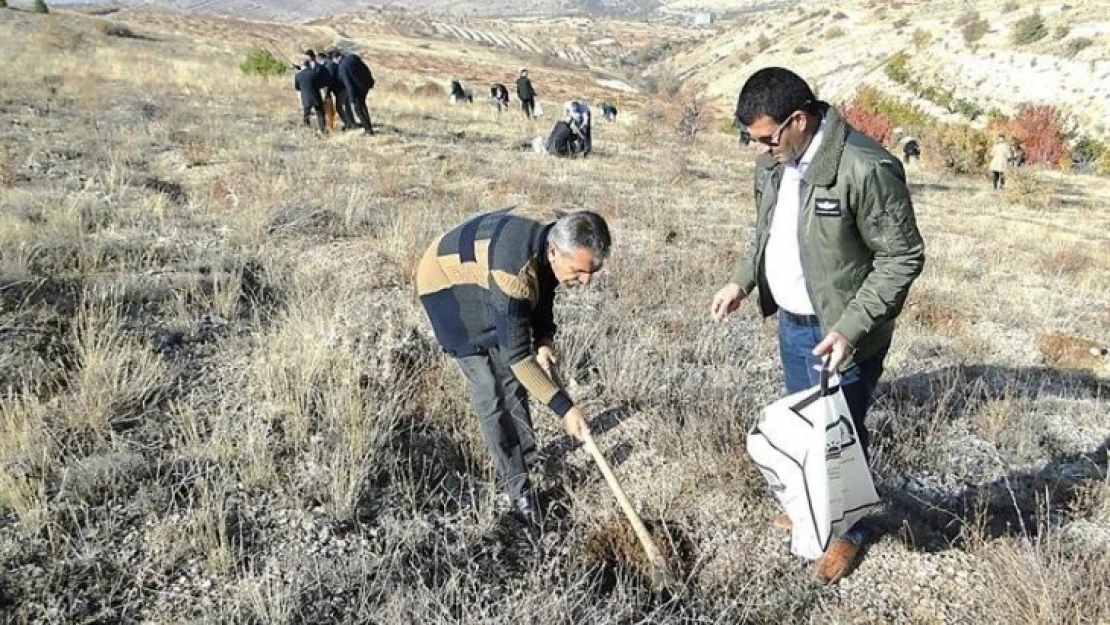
{"x": 357, "y": 82}
{"x": 488, "y": 287}
{"x": 526, "y": 93}
{"x": 308, "y": 81}
{"x": 337, "y": 91}
{"x": 835, "y": 250}
{"x": 1001, "y": 157}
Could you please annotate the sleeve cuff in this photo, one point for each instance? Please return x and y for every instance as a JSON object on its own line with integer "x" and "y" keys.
{"x": 560, "y": 403}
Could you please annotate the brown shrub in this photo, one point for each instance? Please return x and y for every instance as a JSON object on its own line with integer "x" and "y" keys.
{"x": 1064, "y": 350}
{"x": 932, "y": 315}
{"x": 1066, "y": 260}
{"x": 957, "y": 148}
{"x": 8, "y": 168}
{"x": 429, "y": 90}
{"x": 61, "y": 38}
{"x": 1026, "y": 188}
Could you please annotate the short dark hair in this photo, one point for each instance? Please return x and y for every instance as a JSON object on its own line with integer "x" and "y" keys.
{"x": 775, "y": 92}
{"x": 310, "y": 53}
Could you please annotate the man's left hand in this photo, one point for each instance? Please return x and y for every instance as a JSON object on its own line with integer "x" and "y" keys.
{"x": 835, "y": 348}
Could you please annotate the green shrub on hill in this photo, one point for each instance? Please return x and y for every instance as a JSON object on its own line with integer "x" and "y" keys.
{"x": 261, "y": 62}
{"x": 973, "y": 31}
{"x": 1028, "y": 30}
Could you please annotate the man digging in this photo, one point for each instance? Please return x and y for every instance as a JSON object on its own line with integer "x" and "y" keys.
{"x": 488, "y": 288}
{"x": 835, "y": 250}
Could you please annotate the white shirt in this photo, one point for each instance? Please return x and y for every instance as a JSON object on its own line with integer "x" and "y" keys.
{"x": 783, "y": 258}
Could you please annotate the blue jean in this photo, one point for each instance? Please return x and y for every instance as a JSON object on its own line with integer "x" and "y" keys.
{"x": 797, "y": 338}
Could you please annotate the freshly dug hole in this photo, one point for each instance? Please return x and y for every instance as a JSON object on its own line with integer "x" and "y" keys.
{"x": 613, "y": 548}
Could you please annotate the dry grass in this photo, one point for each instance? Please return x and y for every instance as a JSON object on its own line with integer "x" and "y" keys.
{"x": 221, "y": 401}
{"x": 1064, "y": 350}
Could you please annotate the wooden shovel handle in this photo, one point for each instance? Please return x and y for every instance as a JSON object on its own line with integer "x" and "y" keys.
{"x": 661, "y": 573}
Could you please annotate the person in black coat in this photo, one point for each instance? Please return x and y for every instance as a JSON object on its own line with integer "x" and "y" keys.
{"x": 357, "y": 81}
{"x": 609, "y": 111}
{"x": 563, "y": 141}
{"x": 527, "y": 94}
{"x": 336, "y": 90}
{"x": 309, "y": 81}
{"x": 499, "y": 95}
{"x": 459, "y": 94}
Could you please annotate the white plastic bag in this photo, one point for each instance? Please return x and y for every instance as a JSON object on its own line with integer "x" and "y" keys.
{"x": 807, "y": 448}
{"x": 537, "y": 109}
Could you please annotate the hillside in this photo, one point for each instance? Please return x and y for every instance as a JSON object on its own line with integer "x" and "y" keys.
{"x": 842, "y": 45}
{"x": 222, "y": 402}
{"x": 296, "y": 10}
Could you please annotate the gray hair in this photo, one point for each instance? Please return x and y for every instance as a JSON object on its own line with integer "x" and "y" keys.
{"x": 582, "y": 229}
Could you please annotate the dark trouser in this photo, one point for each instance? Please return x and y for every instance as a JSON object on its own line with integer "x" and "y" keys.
{"x": 528, "y": 106}
{"x": 797, "y": 338}
{"x": 343, "y": 108}
{"x": 321, "y": 124}
{"x": 503, "y": 417}
{"x": 358, "y": 103}
{"x": 998, "y": 179}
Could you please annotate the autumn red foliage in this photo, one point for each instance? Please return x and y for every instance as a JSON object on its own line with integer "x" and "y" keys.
{"x": 1039, "y": 130}
{"x": 873, "y": 124}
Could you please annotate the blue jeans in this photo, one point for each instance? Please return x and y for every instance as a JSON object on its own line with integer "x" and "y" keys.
{"x": 797, "y": 338}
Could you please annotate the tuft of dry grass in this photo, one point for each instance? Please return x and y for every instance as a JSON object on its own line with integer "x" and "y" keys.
{"x": 1065, "y": 350}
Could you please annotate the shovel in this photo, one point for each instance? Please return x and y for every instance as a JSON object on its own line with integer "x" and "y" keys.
{"x": 660, "y": 574}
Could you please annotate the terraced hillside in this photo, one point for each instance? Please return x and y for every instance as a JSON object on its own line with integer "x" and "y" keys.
{"x": 843, "y": 45}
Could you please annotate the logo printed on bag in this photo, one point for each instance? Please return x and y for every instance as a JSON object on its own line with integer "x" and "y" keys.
{"x": 827, "y": 207}
{"x": 843, "y": 438}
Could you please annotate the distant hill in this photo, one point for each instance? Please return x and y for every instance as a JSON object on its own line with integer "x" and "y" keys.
{"x": 313, "y": 9}
{"x": 839, "y": 46}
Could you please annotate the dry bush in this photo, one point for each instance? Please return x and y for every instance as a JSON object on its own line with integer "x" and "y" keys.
{"x": 9, "y": 169}
{"x": 26, "y": 452}
{"x": 61, "y": 38}
{"x": 957, "y": 148}
{"x": 1048, "y": 580}
{"x": 932, "y": 314}
{"x": 429, "y": 89}
{"x": 1065, "y": 350}
{"x": 117, "y": 378}
{"x": 1025, "y": 187}
{"x": 1067, "y": 260}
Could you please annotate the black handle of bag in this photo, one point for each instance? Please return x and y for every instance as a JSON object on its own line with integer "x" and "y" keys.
{"x": 825, "y": 375}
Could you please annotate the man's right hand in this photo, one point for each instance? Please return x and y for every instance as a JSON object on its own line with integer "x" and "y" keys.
{"x": 727, "y": 300}
{"x": 574, "y": 422}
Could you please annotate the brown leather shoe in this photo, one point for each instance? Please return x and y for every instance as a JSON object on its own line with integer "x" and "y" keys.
{"x": 838, "y": 558}
{"x": 782, "y": 522}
